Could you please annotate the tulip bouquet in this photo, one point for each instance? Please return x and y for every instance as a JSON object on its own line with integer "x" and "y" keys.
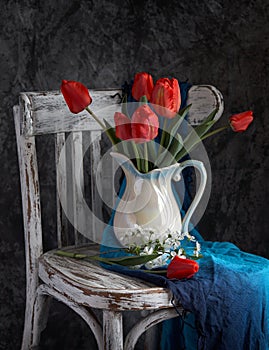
{"x": 149, "y": 135}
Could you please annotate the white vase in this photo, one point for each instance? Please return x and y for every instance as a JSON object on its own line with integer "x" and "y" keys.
{"x": 149, "y": 201}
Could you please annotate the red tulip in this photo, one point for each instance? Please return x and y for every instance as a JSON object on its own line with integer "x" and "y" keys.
{"x": 166, "y": 97}
{"x": 76, "y": 95}
{"x": 240, "y": 122}
{"x": 123, "y": 126}
{"x": 145, "y": 124}
{"x": 182, "y": 268}
{"x": 142, "y": 86}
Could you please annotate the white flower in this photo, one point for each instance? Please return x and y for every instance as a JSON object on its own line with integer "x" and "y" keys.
{"x": 147, "y": 241}
{"x": 148, "y": 250}
{"x": 180, "y": 252}
{"x": 197, "y": 249}
{"x": 173, "y": 254}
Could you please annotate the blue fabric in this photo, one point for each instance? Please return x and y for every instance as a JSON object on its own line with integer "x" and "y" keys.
{"x": 228, "y": 297}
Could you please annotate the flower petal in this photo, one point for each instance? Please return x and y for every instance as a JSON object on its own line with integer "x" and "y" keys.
{"x": 145, "y": 124}
{"x": 76, "y": 95}
{"x": 166, "y": 97}
{"x": 123, "y": 126}
{"x": 182, "y": 268}
{"x": 142, "y": 86}
{"x": 240, "y": 122}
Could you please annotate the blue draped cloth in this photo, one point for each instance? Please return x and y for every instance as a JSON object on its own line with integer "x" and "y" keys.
{"x": 228, "y": 299}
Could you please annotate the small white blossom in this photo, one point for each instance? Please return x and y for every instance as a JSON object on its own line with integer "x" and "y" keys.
{"x": 148, "y": 250}
{"x": 147, "y": 241}
{"x": 197, "y": 249}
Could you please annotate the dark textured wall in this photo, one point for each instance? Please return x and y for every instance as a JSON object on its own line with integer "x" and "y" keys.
{"x": 103, "y": 43}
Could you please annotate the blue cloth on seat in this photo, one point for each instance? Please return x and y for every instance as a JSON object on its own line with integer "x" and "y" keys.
{"x": 228, "y": 297}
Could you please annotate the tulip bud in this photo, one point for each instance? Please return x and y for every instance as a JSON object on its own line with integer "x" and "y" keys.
{"x": 145, "y": 124}
{"x": 123, "y": 126}
{"x": 240, "y": 122}
{"x": 142, "y": 86}
{"x": 166, "y": 97}
{"x": 76, "y": 95}
{"x": 182, "y": 268}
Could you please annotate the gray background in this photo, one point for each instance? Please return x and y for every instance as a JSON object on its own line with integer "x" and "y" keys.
{"x": 103, "y": 43}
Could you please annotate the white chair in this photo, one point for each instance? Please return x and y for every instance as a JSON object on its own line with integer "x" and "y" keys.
{"x": 81, "y": 285}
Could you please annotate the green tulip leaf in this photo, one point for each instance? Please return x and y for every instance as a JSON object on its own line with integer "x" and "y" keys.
{"x": 196, "y": 135}
{"x": 200, "y": 130}
{"x": 211, "y": 116}
{"x": 130, "y": 260}
{"x": 168, "y": 156}
{"x": 169, "y": 135}
{"x": 156, "y": 272}
{"x": 182, "y": 112}
{"x": 124, "y": 105}
{"x": 176, "y": 145}
{"x": 152, "y": 154}
{"x": 111, "y": 133}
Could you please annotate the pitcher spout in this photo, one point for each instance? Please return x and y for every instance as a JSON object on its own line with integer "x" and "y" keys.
{"x": 125, "y": 163}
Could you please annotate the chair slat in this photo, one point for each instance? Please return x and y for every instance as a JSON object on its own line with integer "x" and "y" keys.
{"x": 96, "y": 190}
{"x": 79, "y": 219}
{"x": 47, "y": 113}
{"x": 109, "y": 167}
{"x": 61, "y": 189}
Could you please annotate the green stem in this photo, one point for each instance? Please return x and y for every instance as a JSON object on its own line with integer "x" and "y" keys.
{"x": 152, "y": 153}
{"x": 101, "y": 124}
{"x": 95, "y": 118}
{"x": 163, "y": 135}
{"x": 138, "y": 163}
{"x": 146, "y": 158}
{"x": 214, "y": 132}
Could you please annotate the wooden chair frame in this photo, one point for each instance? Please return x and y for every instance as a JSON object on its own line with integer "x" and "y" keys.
{"x": 81, "y": 285}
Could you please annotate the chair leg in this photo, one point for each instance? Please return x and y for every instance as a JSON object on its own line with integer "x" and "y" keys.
{"x": 34, "y": 324}
{"x": 112, "y": 330}
{"x": 40, "y": 319}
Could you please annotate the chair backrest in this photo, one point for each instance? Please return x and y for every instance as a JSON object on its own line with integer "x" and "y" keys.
{"x": 43, "y": 113}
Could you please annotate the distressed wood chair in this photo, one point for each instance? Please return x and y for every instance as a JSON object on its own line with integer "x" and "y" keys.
{"x": 81, "y": 285}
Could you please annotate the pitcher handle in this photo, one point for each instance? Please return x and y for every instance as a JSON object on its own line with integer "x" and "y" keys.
{"x": 203, "y": 177}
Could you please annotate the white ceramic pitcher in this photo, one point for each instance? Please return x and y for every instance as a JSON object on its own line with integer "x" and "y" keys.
{"x": 149, "y": 201}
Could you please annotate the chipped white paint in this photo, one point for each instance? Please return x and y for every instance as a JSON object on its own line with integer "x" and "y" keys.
{"x": 112, "y": 330}
{"x": 96, "y": 192}
{"x": 32, "y": 222}
{"x": 79, "y": 216}
{"x": 40, "y": 109}
{"x": 204, "y": 100}
{"x": 87, "y": 315}
{"x": 92, "y": 285}
{"x": 47, "y": 112}
{"x": 61, "y": 188}
{"x": 81, "y": 284}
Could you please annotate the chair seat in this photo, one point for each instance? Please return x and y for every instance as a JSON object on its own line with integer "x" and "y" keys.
{"x": 89, "y": 284}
